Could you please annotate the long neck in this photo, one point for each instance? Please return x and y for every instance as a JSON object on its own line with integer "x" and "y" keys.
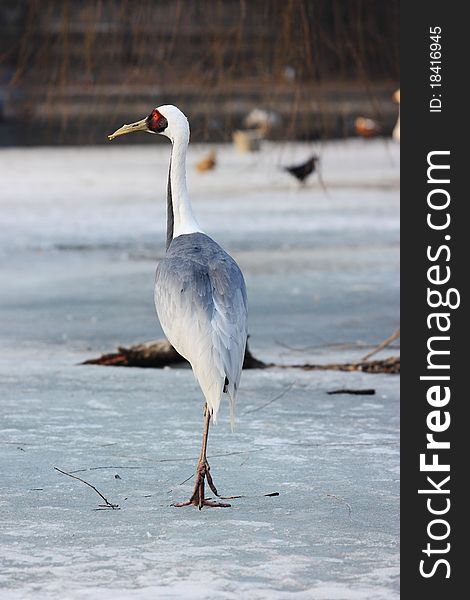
{"x": 169, "y": 212}
{"x": 180, "y": 218}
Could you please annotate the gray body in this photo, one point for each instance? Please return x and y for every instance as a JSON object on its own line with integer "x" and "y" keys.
{"x": 201, "y": 301}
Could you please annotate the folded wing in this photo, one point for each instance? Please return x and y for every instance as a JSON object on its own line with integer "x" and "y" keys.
{"x": 201, "y": 302}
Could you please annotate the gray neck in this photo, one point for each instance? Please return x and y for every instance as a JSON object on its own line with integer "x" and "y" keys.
{"x": 169, "y": 212}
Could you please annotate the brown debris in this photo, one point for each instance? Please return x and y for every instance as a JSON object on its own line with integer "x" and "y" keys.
{"x": 389, "y": 365}
{"x": 153, "y": 355}
{"x": 160, "y": 353}
{"x": 156, "y": 355}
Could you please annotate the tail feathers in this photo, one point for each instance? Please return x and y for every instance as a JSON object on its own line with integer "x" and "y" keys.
{"x": 219, "y": 376}
{"x": 213, "y": 399}
{"x": 231, "y": 390}
{"x": 213, "y": 395}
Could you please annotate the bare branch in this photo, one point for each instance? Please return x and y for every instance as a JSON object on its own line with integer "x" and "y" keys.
{"x": 107, "y": 503}
{"x": 348, "y": 506}
{"x": 283, "y": 393}
{"x": 382, "y": 345}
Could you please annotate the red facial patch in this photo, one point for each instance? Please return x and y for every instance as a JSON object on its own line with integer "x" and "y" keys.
{"x": 153, "y": 120}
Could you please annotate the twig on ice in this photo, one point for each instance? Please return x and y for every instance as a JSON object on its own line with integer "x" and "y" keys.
{"x": 270, "y": 495}
{"x": 283, "y": 393}
{"x": 187, "y": 479}
{"x": 364, "y": 392}
{"x": 341, "y": 500}
{"x": 107, "y": 503}
{"x": 382, "y": 345}
{"x": 335, "y": 345}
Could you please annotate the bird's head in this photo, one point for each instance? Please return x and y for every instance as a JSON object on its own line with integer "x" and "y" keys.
{"x": 166, "y": 120}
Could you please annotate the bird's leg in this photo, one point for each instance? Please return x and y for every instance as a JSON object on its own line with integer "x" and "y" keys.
{"x": 203, "y": 471}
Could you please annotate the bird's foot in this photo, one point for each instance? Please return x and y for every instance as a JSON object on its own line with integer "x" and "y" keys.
{"x": 197, "y": 498}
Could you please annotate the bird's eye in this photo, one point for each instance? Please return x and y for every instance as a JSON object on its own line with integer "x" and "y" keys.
{"x": 156, "y": 121}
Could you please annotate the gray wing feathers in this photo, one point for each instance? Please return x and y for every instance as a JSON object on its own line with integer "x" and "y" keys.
{"x": 201, "y": 302}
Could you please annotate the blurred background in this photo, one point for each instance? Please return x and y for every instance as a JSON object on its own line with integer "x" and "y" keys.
{"x": 70, "y": 68}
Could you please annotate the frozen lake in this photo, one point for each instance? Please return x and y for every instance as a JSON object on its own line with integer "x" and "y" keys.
{"x": 82, "y": 230}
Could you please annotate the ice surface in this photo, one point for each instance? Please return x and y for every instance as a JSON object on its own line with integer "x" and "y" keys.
{"x": 81, "y": 232}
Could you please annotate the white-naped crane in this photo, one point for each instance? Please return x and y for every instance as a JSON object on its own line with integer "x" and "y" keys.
{"x": 200, "y": 293}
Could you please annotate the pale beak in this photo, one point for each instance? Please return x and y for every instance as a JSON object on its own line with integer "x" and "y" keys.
{"x": 138, "y": 126}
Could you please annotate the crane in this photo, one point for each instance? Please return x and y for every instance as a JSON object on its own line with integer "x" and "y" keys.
{"x": 200, "y": 293}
